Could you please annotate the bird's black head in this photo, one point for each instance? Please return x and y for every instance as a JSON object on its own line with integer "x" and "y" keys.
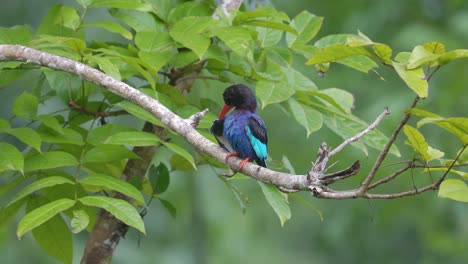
{"x": 241, "y": 97}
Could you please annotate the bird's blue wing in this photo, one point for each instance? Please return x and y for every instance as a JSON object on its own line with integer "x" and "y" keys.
{"x": 257, "y": 134}
{"x": 217, "y": 130}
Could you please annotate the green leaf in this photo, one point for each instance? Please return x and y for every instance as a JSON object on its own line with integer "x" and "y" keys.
{"x": 297, "y": 80}
{"x": 169, "y": 207}
{"x": 139, "y": 21}
{"x": 139, "y": 112}
{"x": 306, "y": 203}
{"x": 343, "y": 98}
{"x": 188, "y": 31}
{"x": 161, "y": 8}
{"x": 159, "y": 178}
{"x": 84, "y": 3}
{"x": 153, "y": 41}
{"x": 25, "y": 106}
{"x": 455, "y": 125}
{"x": 8, "y": 212}
{"x": 238, "y": 39}
{"x": 453, "y": 55}
{"x": 306, "y": 116}
{"x": 4, "y": 125}
{"x": 240, "y": 197}
{"x": 106, "y": 66}
{"x": 273, "y": 92}
{"x": 454, "y": 189}
{"x": 137, "y": 138}
{"x": 180, "y": 151}
{"x": 41, "y": 214}
{"x": 107, "y": 153}
{"x": 307, "y": 25}
{"x": 66, "y": 85}
{"x": 79, "y": 221}
{"x": 121, "y": 209}
{"x": 270, "y": 24}
{"x": 414, "y": 78}
{"x": 359, "y": 62}
{"x": 277, "y": 200}
{"x": 49, "y": 160}
{"x": 68, "y": 17}
{"x": 337, "y": 52}
{"x": 99, "y": 134}
{"x": 27, "y": 136}
{"x": 40, "y": 184}
{"x": 419, "y": 56}
{"x": 53, "y": 235}
{"x": 108, "y": 182}
{"x": 124, "y": 4}
{"x": 10, "y": 75}
{"x": 10, "y": 158}
{"x": 111, "y": 26}
{"x": 68, "y": 136}
{"x": 51, "y": 122}
{"x": 417, "y": 141}
{"x": 15, "y": 35}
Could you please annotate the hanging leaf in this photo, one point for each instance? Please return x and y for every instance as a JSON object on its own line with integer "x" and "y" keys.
{"x": 307, "y": 25}
{"x": 159, "y": 178}
{"x": 454, "y": 189}
{"x": 182, "y": 152}
{"x": 40, "y": 184}
{"x": 169, "y": 207}
{"x": 79, "y": 221}
{"x": 25, "y": 106}
{"x": 277, "y": 200}
{"x": 111, "y": 183}
{"x": 99, "y": 134}
{"x": 27, "y": 136}
{"x": 139, "y": 112}
{"x": 305, "y": 115}
{"x": 111, "y": 26}
{"x": 137, "y": 138}
{"x": 273, "y": 92}
{"x": 51, "y": 122}
{"x": 121, "y": 209}
{"x": 107, "y": 153}
{"x": 49, "y": 160}
{"x": 53, "y": 235}
{"x": 10, "y": 158}
{"x": 414, "y": 78}
{"x": 41, "y": 214}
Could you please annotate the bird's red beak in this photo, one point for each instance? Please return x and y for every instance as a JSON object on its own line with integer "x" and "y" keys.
{"x": 226, "y": 109}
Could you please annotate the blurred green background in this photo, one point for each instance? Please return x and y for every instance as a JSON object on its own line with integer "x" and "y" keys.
{"x": 210, "y": 227}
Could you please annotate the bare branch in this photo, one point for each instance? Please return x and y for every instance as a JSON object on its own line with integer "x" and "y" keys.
{"x": 384, "y": 152}
{"x": 360, "y": 135}
{"x": 391, "y": 176}
{"x": 194, "y": 120}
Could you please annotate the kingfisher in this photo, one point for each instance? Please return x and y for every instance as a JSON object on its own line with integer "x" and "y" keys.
{"x": 242, "y": 132}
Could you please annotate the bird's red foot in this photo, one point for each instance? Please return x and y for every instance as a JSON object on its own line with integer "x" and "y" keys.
{"x": 235, "y": 154}
{"x": 243, "y": 163}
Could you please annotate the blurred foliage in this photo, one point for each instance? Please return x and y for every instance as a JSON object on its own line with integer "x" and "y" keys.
{"x": 208, "y": 226}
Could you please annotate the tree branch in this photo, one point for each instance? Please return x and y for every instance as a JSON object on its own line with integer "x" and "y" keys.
{"x": 83, "y": 109}
{"x": 316, "y": 178}
{"x": 384, "y": 152}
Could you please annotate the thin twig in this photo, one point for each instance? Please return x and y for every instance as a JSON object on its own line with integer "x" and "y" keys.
{"x": 361, "y": 134}
{"x": 391, "y": 176}
{"x": 386, "y": 149}
{"x": 83, "y": 109}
